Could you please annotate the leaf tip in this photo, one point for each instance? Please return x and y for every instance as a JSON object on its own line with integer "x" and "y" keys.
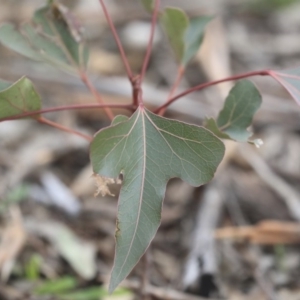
{"x": 111, "y": 287}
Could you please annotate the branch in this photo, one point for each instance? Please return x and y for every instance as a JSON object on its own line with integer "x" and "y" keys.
{"x": 63, "y": 128}
{"x": 211, "y": 83}
{"x": 159, "y": 292}
{"x": 117, "y": 39}
{"x": 150, "y": 43}
{"x": 96, "y": 94}
{"x": 66, "y": 107}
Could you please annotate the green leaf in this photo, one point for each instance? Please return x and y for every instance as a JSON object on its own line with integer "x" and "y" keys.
{"x": 4, "y": 85}
{"x": 290, "y": 80}
{"x": 94, "y": 293}
{"x": 149, "y": 150}
{"x": 19, "y": 98}
{"x": 53, "y": 36}
{"x": 11, "y": 38}
{"x": 194, "y": 37}
{"x": 236, "y": 116}
{"x": 212, "y": 125}
{"x": 56, "y": 23}
{"x": 118, "y": 119}
{"x": 175, "y": 23}
{"x": 32, "y": 267}
{"x": 185, "y": 35}
{"x": 57, "y": 286}
{"x": 148, "y": 4}
{"x": 265, "y": 7}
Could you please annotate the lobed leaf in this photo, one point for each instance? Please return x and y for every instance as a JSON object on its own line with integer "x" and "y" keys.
{"x": 185, "y": 35}
{"x": 19, "y": 98}
{"x": 290, "y": 80}
{"x": 53, "y": 36}
{"x": 148, "y": 150}
{"x": 236, "y": 116}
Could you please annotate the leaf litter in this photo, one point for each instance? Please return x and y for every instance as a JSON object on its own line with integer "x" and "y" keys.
{"x": 281, "y": 151}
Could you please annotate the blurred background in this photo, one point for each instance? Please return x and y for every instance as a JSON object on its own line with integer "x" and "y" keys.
{"x": 235, "y": 238}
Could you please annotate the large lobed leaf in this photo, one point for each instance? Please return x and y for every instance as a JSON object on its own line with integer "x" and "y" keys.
{"x": 290, "y": 80}
{"x": 236, "y": 116}
{"x": 18, "y": 98}
{"x": 185, "y": 35}
{"x": 148, "y": 150}
{"x": 53, "y": 36}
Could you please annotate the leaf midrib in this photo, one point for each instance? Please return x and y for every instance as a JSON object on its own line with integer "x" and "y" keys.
{"x": 141, "y": 191}
{"x": 231, "y": 121}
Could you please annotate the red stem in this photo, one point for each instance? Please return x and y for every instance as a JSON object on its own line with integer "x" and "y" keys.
{"x": 180, "y": 73}
{"x": 136, "y": 92}
{"x": 136, "y": 81}
{"x": 96, "y": 94}
{"x": 211, "y": 83}
{"x": 66, "y": 107}
{"x": 117, "y": 39}
{"x": 150, "y": 43}
{"x": 63, "y": 128}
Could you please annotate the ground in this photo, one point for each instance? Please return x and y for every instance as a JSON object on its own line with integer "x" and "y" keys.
{"x": 57, "y": 238}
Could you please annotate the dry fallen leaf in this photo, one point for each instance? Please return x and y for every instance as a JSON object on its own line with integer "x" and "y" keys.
{"x": 12, "y": 242}
{"x": 268, "y": 232}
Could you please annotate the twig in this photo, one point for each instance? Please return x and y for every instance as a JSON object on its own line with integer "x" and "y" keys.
{"x": 180, "y": 73}
{"x": 158, "y": 292}
{"x": 117, "y": 39}
{"x": 150, "y": 44}
{"x": 96, "y": 94}
{"x": 145, "y": 276}
{"x": 63, "y": 128}
{"x": 288, "y": 194}
{"x": 211, "y": 83}
{"x": 203, "y": 248}
{"x": 267, "y": 289}
{"x": 65, "y": 107}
